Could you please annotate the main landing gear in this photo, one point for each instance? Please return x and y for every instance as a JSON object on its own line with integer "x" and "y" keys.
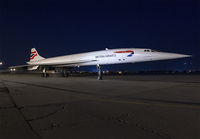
{"x": 99, "y": 72}
{"x": 65, "y": 73}
{"x": 44, "y": 73}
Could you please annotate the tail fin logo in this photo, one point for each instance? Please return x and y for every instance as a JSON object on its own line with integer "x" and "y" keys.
{"x": 33, "y": 55}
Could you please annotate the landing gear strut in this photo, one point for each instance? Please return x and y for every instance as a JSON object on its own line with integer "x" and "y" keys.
{"x": 99, "y": 72}
{"x": 65, "y": 73}
{"x": 44, "y": 73}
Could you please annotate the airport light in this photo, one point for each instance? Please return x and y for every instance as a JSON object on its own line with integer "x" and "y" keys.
{"x": 12, "y": 69}
{"x": 119, "y": 72}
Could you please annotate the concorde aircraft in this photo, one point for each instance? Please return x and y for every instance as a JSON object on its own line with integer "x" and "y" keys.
{"x": 98, "y": 58}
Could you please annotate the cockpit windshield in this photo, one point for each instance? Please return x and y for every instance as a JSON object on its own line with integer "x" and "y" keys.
{"x": 147, "y": 50}
{"x": 150, "y": 50}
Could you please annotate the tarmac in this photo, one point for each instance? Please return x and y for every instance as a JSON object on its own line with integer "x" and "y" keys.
{"x": 118, "y": 107}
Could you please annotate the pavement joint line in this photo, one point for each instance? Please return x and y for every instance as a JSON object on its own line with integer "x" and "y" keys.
{"x": 166, "y": 81}
{"x": 157, "y": 89}
{"x": 154, "y": 102}
{"x": 44, "y": 105}
{"x": 45, "y": 116}
{"x": 1, "y": 108}
{"x": 18, "y": 108}
{"x": 140, "y": 80}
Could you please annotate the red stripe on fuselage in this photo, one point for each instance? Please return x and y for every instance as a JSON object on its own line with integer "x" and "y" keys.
{"x": 128, "y": 51}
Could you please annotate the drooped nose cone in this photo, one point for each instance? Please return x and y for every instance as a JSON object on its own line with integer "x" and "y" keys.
{"x": 166, "y": 56}
{"x": 175, "y": 56}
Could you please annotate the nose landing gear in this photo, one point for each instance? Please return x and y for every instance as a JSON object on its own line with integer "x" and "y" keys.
{"x": 99, "y": 72}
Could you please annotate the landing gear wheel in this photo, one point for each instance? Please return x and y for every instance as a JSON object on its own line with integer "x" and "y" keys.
{"x": 65, "y": 73}
{"x": 44, "y": 73}
{"x": 99, "y": 72}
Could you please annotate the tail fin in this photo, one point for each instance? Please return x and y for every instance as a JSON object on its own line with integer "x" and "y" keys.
{"x": 34, "y": 55}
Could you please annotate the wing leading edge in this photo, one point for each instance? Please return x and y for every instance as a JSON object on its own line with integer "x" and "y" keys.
{"x": 69, "y": 64}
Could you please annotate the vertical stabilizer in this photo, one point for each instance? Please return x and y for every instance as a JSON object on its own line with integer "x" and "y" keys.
{"x": 34, "y": 56}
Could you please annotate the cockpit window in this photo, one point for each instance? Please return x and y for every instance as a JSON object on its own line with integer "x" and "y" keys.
{"x": 146, "y": 50}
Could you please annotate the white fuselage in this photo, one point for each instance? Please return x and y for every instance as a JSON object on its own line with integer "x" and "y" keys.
{"x": 104, "y": 57}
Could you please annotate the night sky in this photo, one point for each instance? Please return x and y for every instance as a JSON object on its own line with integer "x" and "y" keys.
{"x": 61, "y": 27}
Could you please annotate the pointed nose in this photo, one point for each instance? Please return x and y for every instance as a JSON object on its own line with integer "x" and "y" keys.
{"x": 175, "y": 56}
{"x": 166, "y": 56}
